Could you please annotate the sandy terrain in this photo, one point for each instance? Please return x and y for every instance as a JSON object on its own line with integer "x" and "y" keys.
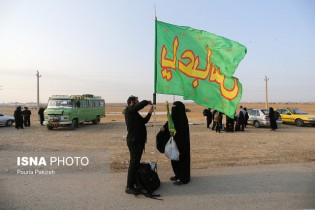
{"x": 289, "y": 144}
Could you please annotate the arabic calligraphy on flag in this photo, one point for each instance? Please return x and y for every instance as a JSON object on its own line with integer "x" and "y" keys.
{"x": 199, "y": 66}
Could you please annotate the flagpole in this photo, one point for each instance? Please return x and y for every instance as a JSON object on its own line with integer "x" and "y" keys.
{"x": 154, "y": 94}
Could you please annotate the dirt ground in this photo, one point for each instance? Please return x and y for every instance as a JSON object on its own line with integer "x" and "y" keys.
{"x": 255, "y": 146}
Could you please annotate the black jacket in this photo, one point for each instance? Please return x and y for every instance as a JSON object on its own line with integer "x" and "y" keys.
{"x": 137, "y": 131}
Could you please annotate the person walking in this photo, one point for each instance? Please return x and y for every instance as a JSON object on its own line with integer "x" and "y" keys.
{"x": 213, "y": 114}
{"x": 136, "y": 138}
{"x": 272, "y": 119}
{"x": 217, "y": 120}
{"x": 18, "y": 118}
{"x": 27, "y": 117}
{"x": 181, "y": 168}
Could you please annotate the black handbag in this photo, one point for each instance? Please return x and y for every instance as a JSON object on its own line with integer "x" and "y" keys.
{"x": 161, "y": 139}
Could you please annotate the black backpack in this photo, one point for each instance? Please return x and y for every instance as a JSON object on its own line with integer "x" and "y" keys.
{"x": 161, "y": 140}
{"x": 147, "y": 181}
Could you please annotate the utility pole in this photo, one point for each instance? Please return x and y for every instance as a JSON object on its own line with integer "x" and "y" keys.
{"x": 38, "y": 76}
{"x": 1, "y": 89}
{"x": 266, "y": 80}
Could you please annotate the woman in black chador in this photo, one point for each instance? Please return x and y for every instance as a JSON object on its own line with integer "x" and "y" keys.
{"x": 18, "y": 118}
{"x": 272, "y": 118}
{"x": 181, "y": 168}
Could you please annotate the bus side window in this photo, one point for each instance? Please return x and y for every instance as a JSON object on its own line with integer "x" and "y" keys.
{"x": 102, "y": 103}
{"x": 78, "y": 104}
{"x": 73, "y": 104}
{"x": 91, "y": 103}
{"x": 97, "y": 103}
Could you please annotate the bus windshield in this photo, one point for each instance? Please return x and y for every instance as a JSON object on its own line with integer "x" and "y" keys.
{"x": 60, "y": 103}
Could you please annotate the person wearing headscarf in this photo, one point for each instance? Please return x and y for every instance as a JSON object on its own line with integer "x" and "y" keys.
{"x": 272, "y": 118}
{"x": 181, "y": 168}
{"x": 136, "y": 138}
{"x": 18, "y": 118}
{"x": 208, "y": 114}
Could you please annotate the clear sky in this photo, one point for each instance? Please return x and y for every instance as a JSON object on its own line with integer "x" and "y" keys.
{"x": 107, "y": 47}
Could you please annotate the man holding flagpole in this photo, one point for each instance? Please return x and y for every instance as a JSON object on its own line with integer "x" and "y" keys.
{"x": 136, "y": 138}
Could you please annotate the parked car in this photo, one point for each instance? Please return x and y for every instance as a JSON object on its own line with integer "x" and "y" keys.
{"x": 6, "y": 120}
{"x": 260, "y": 117}
{"x": 296, "y": 116}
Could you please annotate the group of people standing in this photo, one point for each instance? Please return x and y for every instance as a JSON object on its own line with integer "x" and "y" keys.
{"x": 23, "y": 117}
{"x": 216, "y": 116}
{"x": 241, "y": 119}
{"x": 137, "y": 137}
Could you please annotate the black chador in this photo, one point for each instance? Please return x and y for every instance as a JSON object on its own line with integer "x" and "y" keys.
{"x": 181, "y": 168}
{"x": 18, "y": 118}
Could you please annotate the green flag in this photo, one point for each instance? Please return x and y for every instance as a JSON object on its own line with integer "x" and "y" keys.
{"x": 198, "y": 65}
{"x": 171, "y": 126}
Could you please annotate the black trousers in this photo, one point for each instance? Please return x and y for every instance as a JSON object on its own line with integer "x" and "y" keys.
{"x": 209, "y": 120}
{"x": 217, "y": 127}
{"x": 135, "y": 150}
{"x": 27, "y": 121}
{"x": 181, "y": 168}
{"x": 41, "y": 119}
{"x": 242, "y": 125}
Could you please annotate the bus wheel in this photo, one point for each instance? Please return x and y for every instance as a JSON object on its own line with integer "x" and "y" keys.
{"x": 74, "y": 124}
{"x": 49, "y": 127}
{"x": 97, "y": 120}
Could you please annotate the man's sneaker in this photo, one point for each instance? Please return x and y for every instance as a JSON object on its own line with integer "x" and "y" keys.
{"x": 174, "y": 178}
{"x": 132, "y": 191}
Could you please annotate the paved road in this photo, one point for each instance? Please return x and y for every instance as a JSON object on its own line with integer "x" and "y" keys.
{"x": 289, "y": 186}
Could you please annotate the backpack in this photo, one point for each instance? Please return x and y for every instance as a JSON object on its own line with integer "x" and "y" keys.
{"x": 161, "y": 140}
{"x": 147, "y": 180}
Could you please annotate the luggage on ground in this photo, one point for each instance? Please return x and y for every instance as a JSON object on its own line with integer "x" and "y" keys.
{"x": 148, "y": 180}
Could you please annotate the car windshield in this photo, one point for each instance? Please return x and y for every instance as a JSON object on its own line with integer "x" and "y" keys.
{"x": 60, "y": 103}
{"x": 297, "y": 111}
